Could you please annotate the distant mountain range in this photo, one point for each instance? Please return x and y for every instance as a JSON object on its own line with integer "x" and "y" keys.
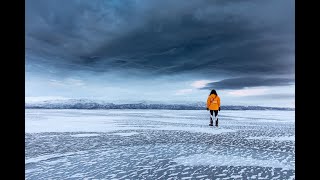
{"x": 94, "y": 104}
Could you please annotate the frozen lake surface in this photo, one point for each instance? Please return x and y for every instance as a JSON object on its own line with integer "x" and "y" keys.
{"x": 159, "y": 144}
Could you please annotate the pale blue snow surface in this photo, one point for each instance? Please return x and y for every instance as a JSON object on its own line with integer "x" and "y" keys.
{"x": 159, "y": 144}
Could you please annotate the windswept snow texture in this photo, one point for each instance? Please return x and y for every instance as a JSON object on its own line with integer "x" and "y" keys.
{"x": 159, "y": 144}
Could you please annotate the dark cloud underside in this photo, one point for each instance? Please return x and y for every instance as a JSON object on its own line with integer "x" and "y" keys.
{"x": 239, "y": 83}
{"x": 205, "y": 38}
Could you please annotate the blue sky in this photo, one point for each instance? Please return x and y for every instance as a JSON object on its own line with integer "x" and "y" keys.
{"x": 164, "y": 51}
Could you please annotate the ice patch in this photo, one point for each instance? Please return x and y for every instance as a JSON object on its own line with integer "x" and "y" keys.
{"x": 70, "y": 120}
{"x": 54, "y": 162}
{"x": 210, "y": 130}
{"x": 125, "y": 134}
{"x": 32, "y": 170}
{"x": 227, "y": 160}
{"x": 236, "y": 176}
{"x": 51, "y": 156}
{"x": 278, "y": 138}
{"x": 283, "y": 138}
{"x": 84, "y": 135}
{"x": 260, "y": 116}
{"x": 78, "y": 175}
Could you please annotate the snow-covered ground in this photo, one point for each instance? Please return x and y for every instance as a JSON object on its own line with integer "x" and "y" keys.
{"x": 159, "y": 144}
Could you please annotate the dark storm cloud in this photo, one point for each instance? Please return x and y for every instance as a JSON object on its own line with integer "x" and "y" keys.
{"x": 239, "y": 83}
{"x": 204, "y": 38}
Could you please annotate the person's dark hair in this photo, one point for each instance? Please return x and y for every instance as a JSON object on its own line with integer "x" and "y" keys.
{"x": 213, "y": 92}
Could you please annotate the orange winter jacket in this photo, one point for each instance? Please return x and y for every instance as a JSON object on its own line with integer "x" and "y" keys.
{"x": 213, "y": 102}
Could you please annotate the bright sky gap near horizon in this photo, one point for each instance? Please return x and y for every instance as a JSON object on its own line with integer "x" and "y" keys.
{"x": 161, "y": 51}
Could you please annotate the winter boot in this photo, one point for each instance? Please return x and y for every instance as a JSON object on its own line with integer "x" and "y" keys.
{"x": 217, "y": 122}
{"x": 211, "y": 122}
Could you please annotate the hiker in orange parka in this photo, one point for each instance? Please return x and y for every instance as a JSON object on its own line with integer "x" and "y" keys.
{"x": 213, "y": 104}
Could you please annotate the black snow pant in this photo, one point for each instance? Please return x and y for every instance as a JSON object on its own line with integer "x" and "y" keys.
{"x": 215, "y": 115}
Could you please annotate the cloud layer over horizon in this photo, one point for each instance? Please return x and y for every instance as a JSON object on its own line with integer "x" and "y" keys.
{"x": 231, "y": 44}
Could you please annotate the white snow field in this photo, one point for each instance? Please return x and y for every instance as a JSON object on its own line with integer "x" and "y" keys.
{"x": 159, "y": 144}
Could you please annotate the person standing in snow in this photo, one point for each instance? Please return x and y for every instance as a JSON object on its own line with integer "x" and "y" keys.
{"x": 213, "y": 104}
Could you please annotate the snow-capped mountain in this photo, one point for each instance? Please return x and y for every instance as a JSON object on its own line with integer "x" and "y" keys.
{"x": 100, "y": 104}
